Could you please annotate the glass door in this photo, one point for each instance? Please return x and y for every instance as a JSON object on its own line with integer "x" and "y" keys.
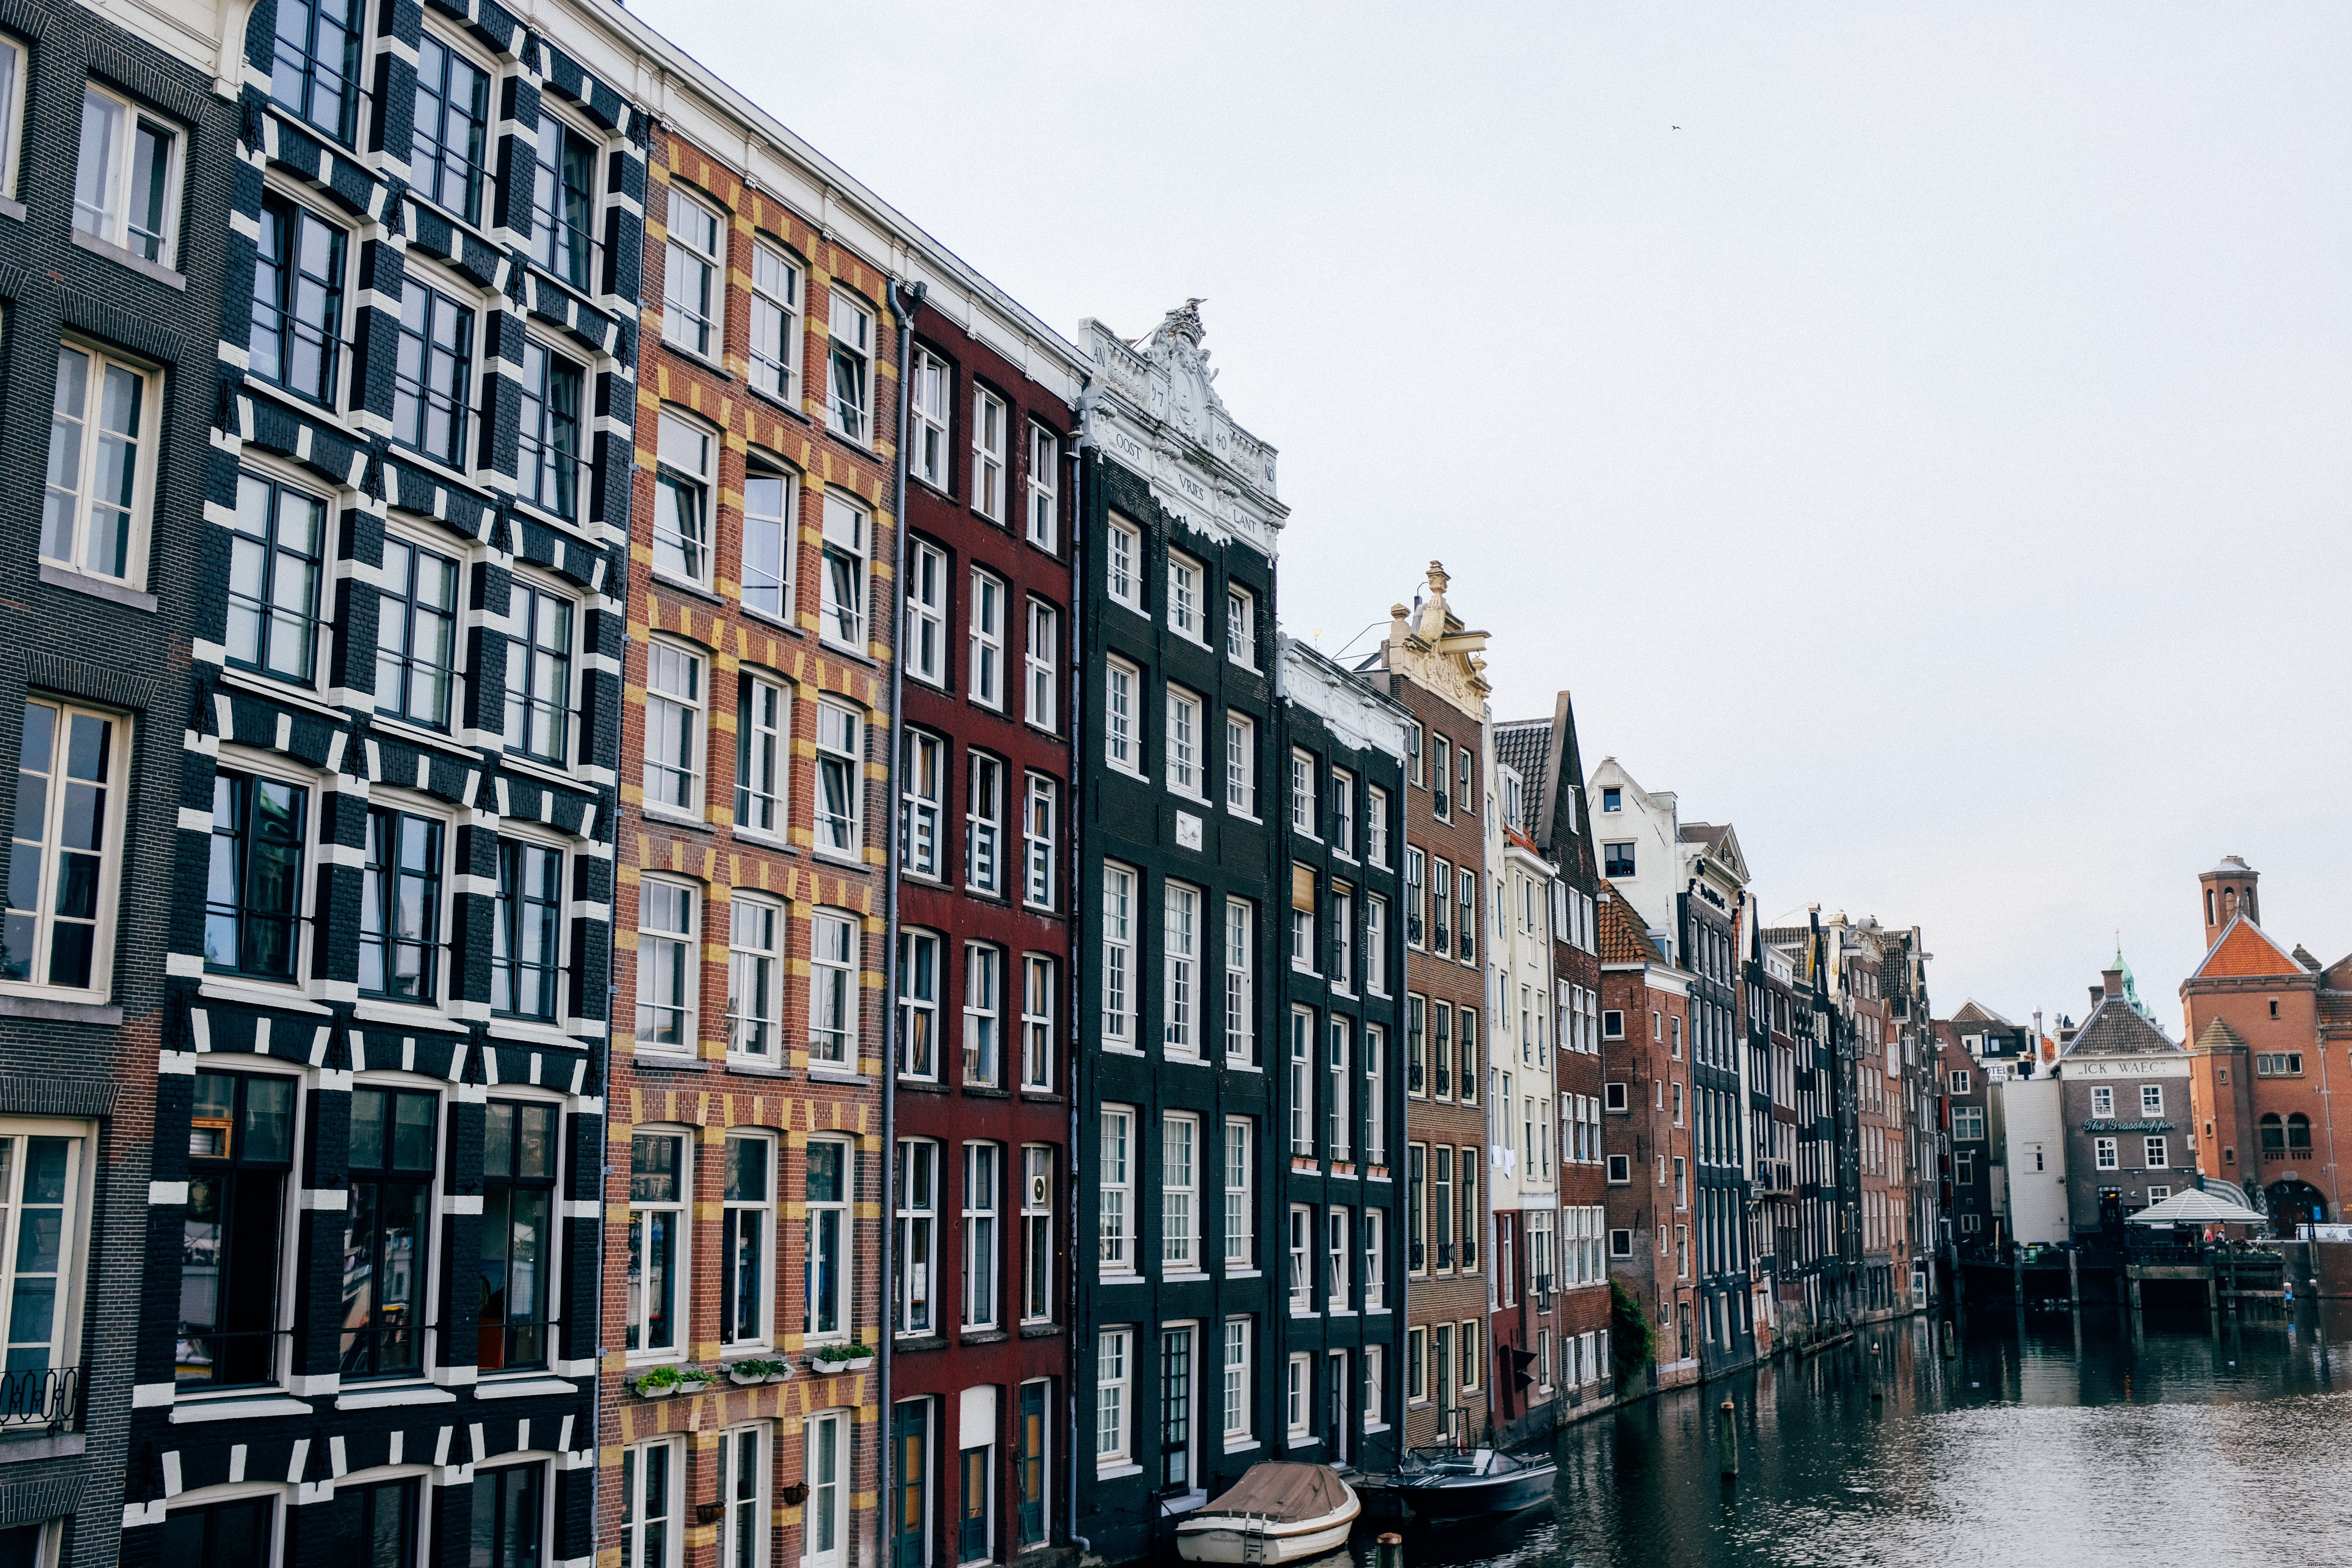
{"x": 1029, "y": 1469}
{"x": 972, "y": 1531}
{"x": 1335, "y": 1415}
{"x": 910, "y": 1437}
{"x": 826, "y": 1456}
{"x": 1176, "y": 1408}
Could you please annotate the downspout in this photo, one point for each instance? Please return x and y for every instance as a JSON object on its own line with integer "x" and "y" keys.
{"x": 904, "y": 301}
{"x": 1074, "y": 875}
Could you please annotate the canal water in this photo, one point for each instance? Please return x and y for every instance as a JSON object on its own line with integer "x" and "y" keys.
{"x": 2026, "y": 1448}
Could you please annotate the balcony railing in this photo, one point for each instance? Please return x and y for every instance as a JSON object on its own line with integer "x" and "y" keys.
{"x": 40, "y": 1399}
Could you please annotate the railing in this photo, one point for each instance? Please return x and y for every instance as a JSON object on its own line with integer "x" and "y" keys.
{"x": 44, "y": 1398}
{"x": 2286, "y": 1153}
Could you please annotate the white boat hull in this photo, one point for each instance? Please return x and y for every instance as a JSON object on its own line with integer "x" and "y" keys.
{"x": 1221, "y": 1538}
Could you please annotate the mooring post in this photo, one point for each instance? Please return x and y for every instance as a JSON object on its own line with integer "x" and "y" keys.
{"x": 1877, "y": 1394}
{"x": 1392, "y": 1549}
{"x": 1730, "y": 1440}
{"x": 2073, "y": 1282}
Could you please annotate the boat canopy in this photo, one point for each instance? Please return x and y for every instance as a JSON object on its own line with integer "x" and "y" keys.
{"x": 1286, "y": 1493}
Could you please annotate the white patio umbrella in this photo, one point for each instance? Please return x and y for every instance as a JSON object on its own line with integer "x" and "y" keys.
{"x": 2198, "y": 1206}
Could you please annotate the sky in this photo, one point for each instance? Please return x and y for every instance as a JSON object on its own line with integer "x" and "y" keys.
{"x": 1914, "y": 434}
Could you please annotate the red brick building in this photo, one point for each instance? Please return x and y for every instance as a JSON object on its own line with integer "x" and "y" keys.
{"x": 2260, "y": 1020}
{"x": 979, "y": 1406}
{"x": 1646, "y": 1133}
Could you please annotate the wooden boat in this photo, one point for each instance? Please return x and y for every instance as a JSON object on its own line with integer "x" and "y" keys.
{"x": 1277, "y": 1513}
{"x": 1470, "y": 1483}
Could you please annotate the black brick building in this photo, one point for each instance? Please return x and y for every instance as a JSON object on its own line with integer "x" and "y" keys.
{"x": 115, "y": 175}
{"x": 369, "y": 1324}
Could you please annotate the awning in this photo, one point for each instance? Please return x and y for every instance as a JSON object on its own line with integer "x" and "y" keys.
{"x": 2197, "y": 1206}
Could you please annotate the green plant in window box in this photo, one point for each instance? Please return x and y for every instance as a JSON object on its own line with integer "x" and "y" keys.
{"x": 659, "y": 1382}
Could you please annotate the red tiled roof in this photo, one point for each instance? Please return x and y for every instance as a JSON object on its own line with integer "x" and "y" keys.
{"x": 2244, "y": 950}
{"x": 1624, "y": 938}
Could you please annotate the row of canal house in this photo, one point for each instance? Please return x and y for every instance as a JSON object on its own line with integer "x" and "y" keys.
{"x": 738, "y": 805}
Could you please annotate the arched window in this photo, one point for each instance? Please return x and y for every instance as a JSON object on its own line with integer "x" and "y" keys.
{"x": 2274, "y": 1133}
{"x": 2208, "y": 906}
{"x": 2229, "y": 902}
{"x": 2298, "y": 1131}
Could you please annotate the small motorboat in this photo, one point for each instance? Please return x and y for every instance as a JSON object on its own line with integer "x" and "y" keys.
{"x": 1470, "y": 1483}
{"x": 1277, "y": 1513}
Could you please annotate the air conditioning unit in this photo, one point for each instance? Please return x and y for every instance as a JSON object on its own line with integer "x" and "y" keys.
{"x": 1037, "y": 1191}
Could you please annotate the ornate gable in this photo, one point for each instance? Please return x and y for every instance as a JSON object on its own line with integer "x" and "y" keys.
{"x": 1432, "y": 648}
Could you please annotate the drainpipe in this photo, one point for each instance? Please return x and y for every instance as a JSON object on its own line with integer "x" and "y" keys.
{"x": 904, "y": 301}
{"x": 1074, "y": 874}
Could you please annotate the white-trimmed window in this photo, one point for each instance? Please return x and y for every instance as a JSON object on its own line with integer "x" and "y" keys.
{"x": 694, "y": 276}
{"x": 987, "y": 632}
{"x": 988, "y": 438}
{"x": 1180, "y": 1192}
{"x": 763, "y": 751}
{"x": 44, "y": 1228}
{"x": 1044, "y": 488}
{"x": 827, "y": 1190}
{"x": 1112, "y": 1376}
{"x": 2104, "y": 1149}
{"x": 1376, "y": 825}
{"x": 12, "y": 111}
{"x": 928, "y": 384}
{"x": 669, "y": 967}
{"x": 682, "y": 486}
{"x": 914, "y": 1262}
{"x": 66, "y": 850}
{"x": 1241, "y": 764}
{"x": 1116, "y": 1229}
{"x": 840, "y": 781}
{"x": 1376, "y": 944}
{"x": 1339, "y": 1252}
{"x": 2151, "y": 1098}
{"x": 1299, "y": 1398}
{"x": 2157, "y": 1156}
{"x": 1376, "y": 1094}
{"x": 775, "y": 324}
{"x": 1340, "y": 1101}
{"x": 1241, "y": 994}
{"x": 1037, "y": 1022}
{"x": 918, "y": 1005}
{"x": 1184, "y": 742}
{"x": 1187, "y": 614}
{"x": 1123, "y": 565}
{"x": 1122, "y": 717}
{"x": 744, "y": 1465}
{"x": 1375, "y": 1384}
{"x": 1241, "y": 627}
{"x": 100, "y": 484}
{"x": 1037, "y": 1233}
{"x": 653, "y": 1516}
{"x": 983, "y": 860}
{"x": 1119, "y": 954}
{"x": 1037, "y": 842}
{"x": 983, "y": 1013}
{"x": 847, "y": 541}
{"x": 981, "y": 1163}
{"x": 1179, "y": 969}
{"x": 923, "y": 806}
{"x": 660, "y": 1186}
{"x": 747, "y": 1239}
{"x": 127, "y": 181}
{"x": 1343, "y": 812}
{"x": 1237, "y": 1382}
{"x": 1302, "y": 796}
{"x": 1302, "y": 918}
{"x": 2102, "y": 1100}
{"x": 1343, "y": 938}
{"x": 674, "y": 721}
{"x": 771, "y": 539}
{"x": 1376, "y": 1259}
{"x": 849, "y": 405}
{"x": 1301, "y": 1277}
{"x": 1302, "y": 1082}
{"x": 1044, "y": 655}
{"x": 1239, "y": 1230}
{"x": 832, "y": 988}
{"x": 755, "y": 980}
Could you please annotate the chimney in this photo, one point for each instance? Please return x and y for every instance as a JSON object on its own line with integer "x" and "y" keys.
{"x": 2111, "y": 982}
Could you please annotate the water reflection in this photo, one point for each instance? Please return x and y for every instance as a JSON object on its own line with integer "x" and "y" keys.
{"x": 2035, "y": 1447}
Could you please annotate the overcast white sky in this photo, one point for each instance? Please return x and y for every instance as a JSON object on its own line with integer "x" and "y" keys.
{"x": 1930, "y": 457}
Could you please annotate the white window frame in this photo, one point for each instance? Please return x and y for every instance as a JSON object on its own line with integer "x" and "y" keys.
{"x": 929, "y": 395}
{"x": 1376, "y": 1259}
{"x": 778, "y": 285}
{"x": 1241, "y": 982}
{"x": 1036, "y": 1023}
{"x": 1340, "y": 1259}
{"x": 849, "y": 333}
{"x": 2102, "y": 1100}
{"x": 1343, "y": 938}
{"x": 848, "y": 538}
{"x": 1298, "y": 1399}
{"x": 1299, "y": 1281}
{"x": 829, "y": 1431}
{"x": 1041, "y": 709}
{"x": 1241, "y": 1251}
{"x": 686, "y": 460}
{"x": 1037, "y": 1233}
{"x": 1114, "y": 1410}
{"x": 58, "y": 792}
{"x": 2151, "y": 1100}
{"x": 985, "y": 646}
{"x": 638, "y": 1520}
{"x": 921, "y": 955}
{"x": 1123, "y": 564}
{"x": 1302, "y": 1082}
{"x": 747, "y": 957}
{"x": 1115, "y": 1232}
{"x": 764, "y": 1210}
{"x": 1375, "y": 1052}
{"x": 13, "y": 77}
{"x": 1234, "y": 1406}
{"x": 983, "y": 1013}
{"x": 1186, "y": 743}
{"x": 926, "y": 614}
{"x": 1188, "y": 612}
{"x": 635, "y": 1320}
{"x": 2105, "y": 1154}
{"x": 1376, "y": 825}
{"x": 706, "y": 339}
{"x": 1122, "y": 716}
{"x": 2157, "y": 1153}
{"x": 1122, "y": 886}
{"x": 915, "y": 1177}
{"x": 849, "y": 762}
{"x": 844, "y": 1210}
{"x": 922, "y": 806}
{"x": 744, "y": 1532}
{"x": 1044, "y": 515}
{"x": 112, "y": 225}
{"x": 91, "y": 439}
{"x": 1241, "y": 764}
{"x": 1180, "y": 1192}
{"x": 991, "y": 419}
{"x": 982, "y": 1239}
{"x": 653, "y": 941}
{"x": 1182, "y": 913}
{"x": 1040, "y": 801}
{"x": 1338, "y": 1086}
{"x": 1303, "y": 818}
{"x": 1241, "y": 626}
{"x": 1343, "y": 813}
{"x": 833, "y": 964}
{"x": 1376, "y": 946}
